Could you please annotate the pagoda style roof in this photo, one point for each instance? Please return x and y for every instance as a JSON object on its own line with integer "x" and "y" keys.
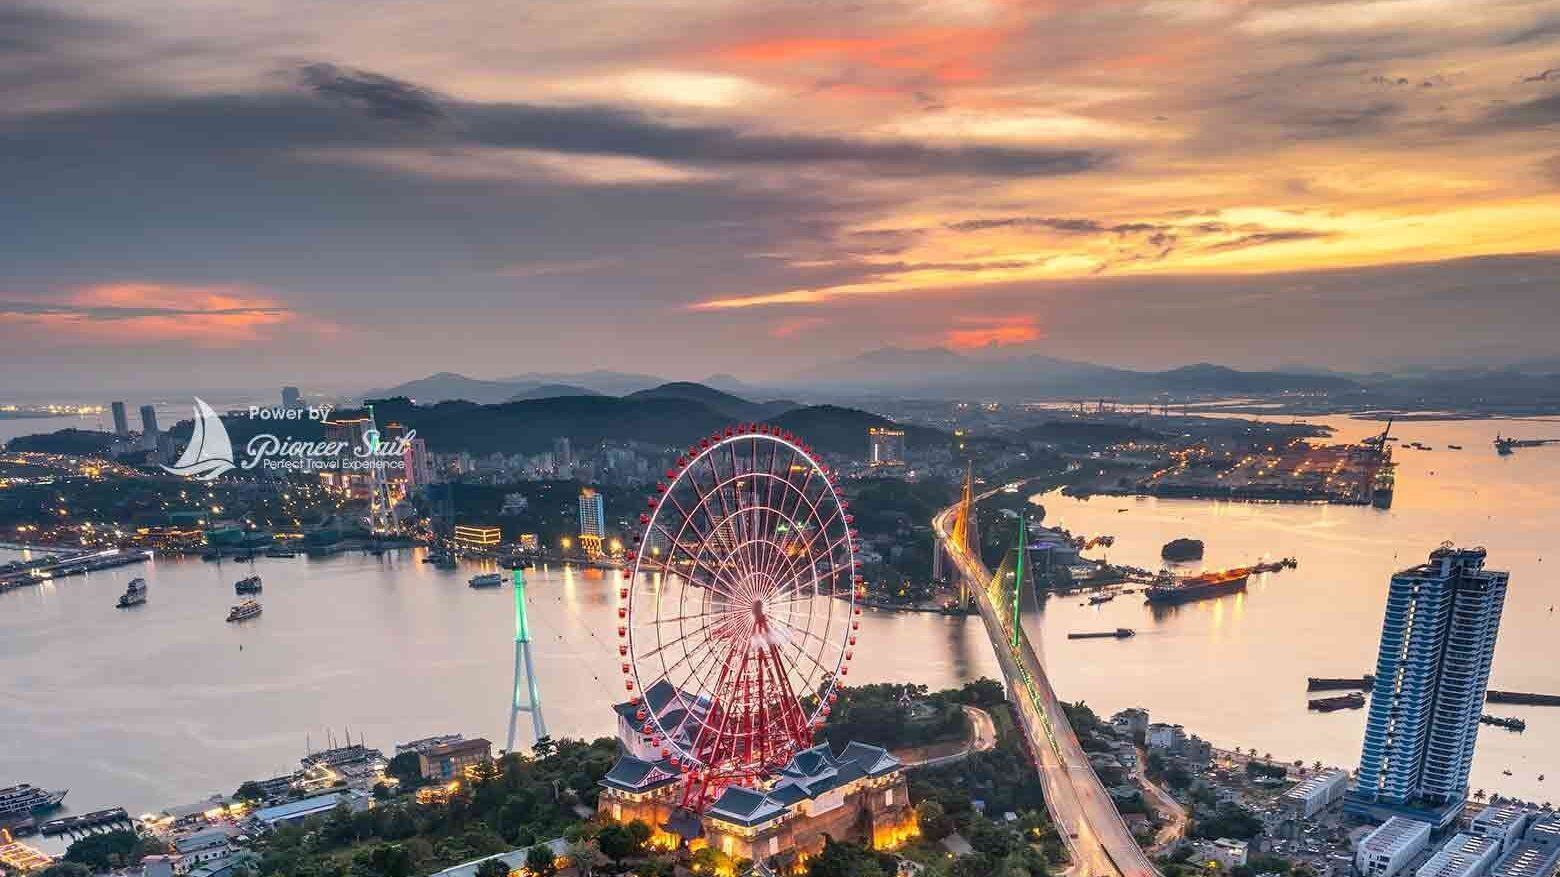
{"x": 632, "y": 774}
{"x": 809, "y": 774}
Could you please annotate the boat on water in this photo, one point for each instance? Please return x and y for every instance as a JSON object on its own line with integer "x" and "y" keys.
{"x": 1351, "y": 701}
{"x": 280, "y": 551}
{"x": 1097, "y": 599}
{"x": 514, "y": 561}
{"x": 134, "y": 595}
{"x": 1454, "y": 447}
{"x": 1118, "y": 633}
{"x": 243, "y": 611}
{"x": 25, "y": 799}
{"x": 248, "y": 585}
{"x": 1169, "y": 589}
{"x": 486, "y": 580}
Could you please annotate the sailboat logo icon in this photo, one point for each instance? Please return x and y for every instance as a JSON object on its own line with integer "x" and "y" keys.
{"x": 210, "y": 451}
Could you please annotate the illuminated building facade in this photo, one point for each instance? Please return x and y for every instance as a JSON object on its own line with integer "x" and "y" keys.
{"x": 885, "y": 446}
{"x": 593, "y": 521}
{"x": 858, "y": 794}
{"x": 476, "y": 537}
{"x": 1437, "y": 642}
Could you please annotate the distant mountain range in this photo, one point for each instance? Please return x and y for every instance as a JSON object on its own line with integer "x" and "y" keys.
{"x": 923, "y": 373}
{"x": 936, "y": 372}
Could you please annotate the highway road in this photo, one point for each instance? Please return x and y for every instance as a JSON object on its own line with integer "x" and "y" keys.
{"x": 1096, "y": 836}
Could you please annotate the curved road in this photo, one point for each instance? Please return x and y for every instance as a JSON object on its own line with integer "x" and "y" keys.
{"x": 1080, "y": 807}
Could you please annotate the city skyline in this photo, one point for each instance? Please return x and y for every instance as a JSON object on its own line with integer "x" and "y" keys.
{"x": 291, "y": 193}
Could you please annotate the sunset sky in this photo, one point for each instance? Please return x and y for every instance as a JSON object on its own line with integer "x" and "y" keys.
{"x": 337, "y": 193}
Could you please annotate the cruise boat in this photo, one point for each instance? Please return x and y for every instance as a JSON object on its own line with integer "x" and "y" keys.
{"x": 25, "y": 799}
{"x": 244, "y": 611}
{"x": 249, "y": 585}
{"x": 134, "y": 595}
{"x": 487, "y": 580}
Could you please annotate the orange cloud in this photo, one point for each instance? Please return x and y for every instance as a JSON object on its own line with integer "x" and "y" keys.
{"x": 794, "y": 326}
{"x": 141, "y": 313}
{"x": 992, "y": 331}
{"x": 948, "y": 55}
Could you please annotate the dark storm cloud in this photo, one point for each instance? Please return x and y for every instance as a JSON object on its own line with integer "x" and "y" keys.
{"x": 1540, "y": 112}
{"x": 25, "y": 28}
{"x": 599, "y": 130}
{"x": 377, "y": 95}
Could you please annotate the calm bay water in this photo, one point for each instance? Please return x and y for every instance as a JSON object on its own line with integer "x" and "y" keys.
{"x": 1234, "y": 669}
{"x": 166, "y": 703}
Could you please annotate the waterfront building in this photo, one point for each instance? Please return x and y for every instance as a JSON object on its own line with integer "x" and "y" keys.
{"x": 885, "y": 446}
{"x": 1537, "y": 854}
{"x": 449, "y": 760}
{"x": 1388, "y": 850}
{"x": 1465, "y": 855}
{"x": 1433, "y": 667}
{"x": 1504, "y": 823}
{"x": 291, "y": 398}
{"x": 1131, "y": 722}
{"x": 121, "y": 421}
{"x": 477, "y": 537}
{"x": 297, "y": 811}
{"x": 593, "y": 521}
{"x": 1316, "y": 794}
{"x": 149, "y": 428}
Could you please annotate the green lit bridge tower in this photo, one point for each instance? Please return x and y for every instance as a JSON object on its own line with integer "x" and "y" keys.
{"x": 525, "y": 697}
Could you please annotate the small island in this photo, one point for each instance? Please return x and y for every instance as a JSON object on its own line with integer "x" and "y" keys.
{"x": 1182, "y": 549}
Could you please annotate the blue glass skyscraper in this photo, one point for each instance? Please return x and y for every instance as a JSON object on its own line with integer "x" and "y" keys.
{"x": 1437, "y": 642}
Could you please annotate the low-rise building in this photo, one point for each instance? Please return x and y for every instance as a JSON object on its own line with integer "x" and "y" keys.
{"x": 1505, "y": 823}
{"x": 514, "y": 860}
{"x": 1388, "y": 850}
{"x": 1313, "y": 795}
{"x": 1536, "y": 854}
{"x": 1165, "y": 737}
{"x": 447, "y": 761}
{"x": 297, "y": 811}
{"x": 1465, "y": 855}
{"x": 859, "y": 794}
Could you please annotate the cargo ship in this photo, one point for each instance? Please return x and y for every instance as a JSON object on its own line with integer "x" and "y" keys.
{"x": 24, "y": 800}
{"x": 134, "y": 595}
{"x": 1170, "y": 589}
{"x": 249, "y": 585}
{"x": 1381, "y": 487}
{"x": 244, "y": 611}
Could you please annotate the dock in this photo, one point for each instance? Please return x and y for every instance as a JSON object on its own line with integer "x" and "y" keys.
{"x": 86, "y": 823}
{"x": 1348, "y": 683}
{"x": 1510, "y": 724}
{"x": 1363, "y": 683}
{"x": 75, "y": 565}
{"x": 1522, "y": 697}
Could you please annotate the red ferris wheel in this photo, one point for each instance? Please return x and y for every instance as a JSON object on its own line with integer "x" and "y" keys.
{"x": 739, "y": 616}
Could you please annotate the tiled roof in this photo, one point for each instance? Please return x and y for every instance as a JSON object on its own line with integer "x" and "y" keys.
{"x": 637, "y": 775}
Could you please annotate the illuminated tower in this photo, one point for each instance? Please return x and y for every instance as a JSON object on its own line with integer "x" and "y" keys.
{"x": 525, "y": 699}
